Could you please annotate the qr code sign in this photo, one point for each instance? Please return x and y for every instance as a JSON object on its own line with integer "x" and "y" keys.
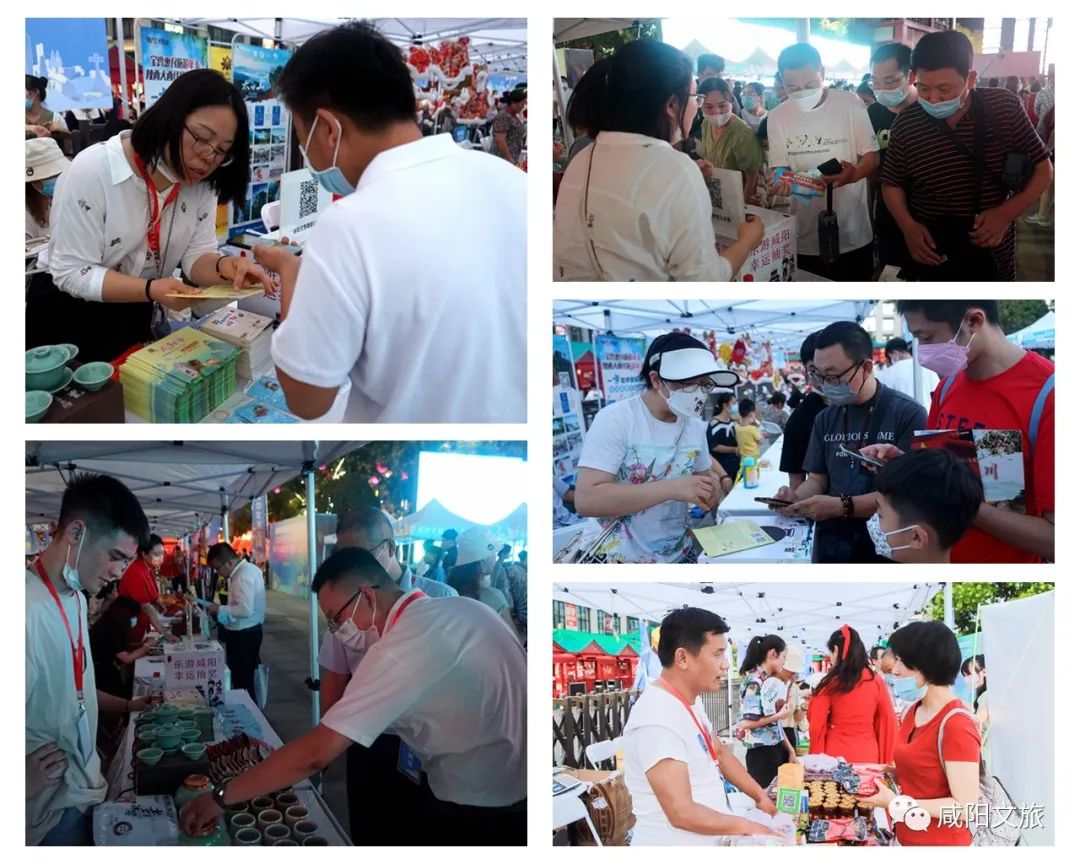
{"x": 309, "y": 198}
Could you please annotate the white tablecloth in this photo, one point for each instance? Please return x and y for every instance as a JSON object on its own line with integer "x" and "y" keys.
{"x": 121, "y": 778}
{"x": 740, "y": 501}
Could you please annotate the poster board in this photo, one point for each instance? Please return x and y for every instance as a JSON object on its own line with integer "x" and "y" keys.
{"x": 73, "y": 53}
{"x": 620, "y": 359}
{"x": 165, "y": 56}
{"x": 774, "y": 260}
{"x": 567, "y": 432}
{"x": 194, "y": 666}
{"x": 255, "y": 71}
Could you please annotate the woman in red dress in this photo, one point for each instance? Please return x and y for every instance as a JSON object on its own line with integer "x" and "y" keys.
{"x": 851, "y": 713}
{"x": 937, "y": 747}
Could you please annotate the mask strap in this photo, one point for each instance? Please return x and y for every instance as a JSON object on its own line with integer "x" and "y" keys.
{"x": 78, "y": 551}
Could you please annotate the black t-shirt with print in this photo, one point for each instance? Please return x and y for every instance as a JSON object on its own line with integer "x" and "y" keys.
{"x": 721, "y": 432}
{"x": 797, "y": 432}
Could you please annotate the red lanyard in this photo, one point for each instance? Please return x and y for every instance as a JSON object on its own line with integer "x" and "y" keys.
{"x": 408, "y": 601}
{"x": 77, "y": 654}
{"x": 704, "y": 732}
{"x": 153, "y": 233}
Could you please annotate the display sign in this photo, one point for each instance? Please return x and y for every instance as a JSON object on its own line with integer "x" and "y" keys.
{"x": 567, "y": 430}
{"x": 620, "y": 360}
{"x": 259, "y": 526}
{"x": 165, "y": 56}
{"x": 73, "y": 53}
{"x": 255, "y": 71}
{"x": 773, "y": 260}
{"x": 221, "y": 60}
{"x": 302, "y": 200}
{"x": 195, "y": 665}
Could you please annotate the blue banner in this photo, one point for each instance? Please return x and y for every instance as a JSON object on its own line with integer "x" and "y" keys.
{"x": 620, "y": 362}
{"x": 74, "y": 55}
{"x": 166, "y": 56}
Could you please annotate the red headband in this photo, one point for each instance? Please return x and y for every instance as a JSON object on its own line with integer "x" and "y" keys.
{"x": 847, "y": 641}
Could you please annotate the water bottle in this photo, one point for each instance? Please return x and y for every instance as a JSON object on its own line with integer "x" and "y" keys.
{"x": 750, "y": 472}
{"x": 157, "y": 689}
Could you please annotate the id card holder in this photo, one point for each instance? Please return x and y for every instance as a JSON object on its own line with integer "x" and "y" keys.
{"x": 83, "y": 739}
{"x": 408, "y": 764}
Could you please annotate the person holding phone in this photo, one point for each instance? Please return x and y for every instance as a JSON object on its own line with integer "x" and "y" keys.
{"x": 131, "y": 211}
{"x": 838, "y": 493}
{"x": 646, "y": 462}
{"x": 797, "y": 129}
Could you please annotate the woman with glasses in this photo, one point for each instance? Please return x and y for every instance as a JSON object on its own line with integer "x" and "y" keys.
{"x": 646, "y": 462}
{"x": 631, "y": 206}
{"x": 131, "y": 211}
{"x": 726, "y": 140}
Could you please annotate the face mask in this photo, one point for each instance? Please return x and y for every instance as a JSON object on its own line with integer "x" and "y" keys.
{"x": 881, "y": 538}
{"x": 71, "y": 574}
{"x": 942, "y": 110}
{"x": 718, "y": 121}
{"x": 48, "y": 187}
{"x": 352, "y": 638}
{"x": 891, "y": 98}
{"x": 29, "y": 104}
{"x": 906, "y": 689}
{"x": 331, "y": 179}
{"x": 388, "y": 562}
{"x": 947, "y": 358}
{"x": 807, "y": 100}
{"x": 686, "y": 404}
{"x": 163, "y": 170}
{"x": 751, "y": 102}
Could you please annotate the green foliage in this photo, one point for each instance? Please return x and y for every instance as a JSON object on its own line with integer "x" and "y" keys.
{"x": 1018, "y": 314}
{"x": 606, "y": 44}
{"x": 969, "y": 596}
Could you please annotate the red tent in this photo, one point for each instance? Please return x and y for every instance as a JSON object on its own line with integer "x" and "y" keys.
{"x": 588, "y": 374}
{"x": 114, "y": 70}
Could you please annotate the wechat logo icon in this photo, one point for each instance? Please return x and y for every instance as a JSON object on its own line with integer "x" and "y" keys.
{"x": 904, "y": 808}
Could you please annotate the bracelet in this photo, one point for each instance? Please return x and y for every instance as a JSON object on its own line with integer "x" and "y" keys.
{"x": 849, "y": 506}
{"x": 217, "y": 266}
{"x": 149, "y": 299}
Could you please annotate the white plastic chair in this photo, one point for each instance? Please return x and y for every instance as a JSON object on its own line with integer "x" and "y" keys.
{"x": 601, "y": 751}
{"x": 271, "y": 215}
{"x": 568, "y": 809}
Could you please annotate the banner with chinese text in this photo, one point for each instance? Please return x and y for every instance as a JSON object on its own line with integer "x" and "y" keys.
{"x": 166, "y": 56}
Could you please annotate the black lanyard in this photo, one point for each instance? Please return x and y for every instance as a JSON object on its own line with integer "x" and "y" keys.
{"x": 864, "y": 432}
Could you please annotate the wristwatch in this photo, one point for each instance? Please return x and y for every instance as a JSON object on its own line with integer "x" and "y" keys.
{"x": 219, "y": 794}
{"x": 217, "y": 266}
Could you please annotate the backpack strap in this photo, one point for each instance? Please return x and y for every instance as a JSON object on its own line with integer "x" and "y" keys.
{"x": 1037, "y": 412}
{"x": 941, "y": 737}
{"x": 946, "y": 386}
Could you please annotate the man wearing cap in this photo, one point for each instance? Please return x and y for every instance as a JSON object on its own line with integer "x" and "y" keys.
{"x": 369, "y": 528}
{"x": 446, "y": 676}
{"x": 646, "y": 459}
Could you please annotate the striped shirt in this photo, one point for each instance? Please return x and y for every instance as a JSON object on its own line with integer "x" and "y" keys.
{"x": 939, "y": 181}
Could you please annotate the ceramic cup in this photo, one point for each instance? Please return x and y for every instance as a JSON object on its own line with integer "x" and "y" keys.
{"x": 315, "y": 840}
{"x": 261, "y": 803}
{"x": 286, "y": 842}
{"x": 273, "y": 833}
{"x": 297, "y": 813}
{"x": 247, "y": 837}
{"x": 285, "y": 800}
{"x": 270, "y": 817}
{"x": 238, "y": 807}
{"x": 239, "y": 821}
{"x": 304, "y": 829}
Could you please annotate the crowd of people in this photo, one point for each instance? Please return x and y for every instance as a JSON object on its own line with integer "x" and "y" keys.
{"x": 895, "y": 705}
{"x": 650, "y": 462}
{"x": 505, "y": 125}
{"x": 128, "y": 237}
{"x": 412, "y": 674}
{"x": 928, "y": 168}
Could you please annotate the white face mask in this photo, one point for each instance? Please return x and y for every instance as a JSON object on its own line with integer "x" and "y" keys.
{"x": 71, "y": 573}
{"x": 352, "y": 638}
{"x": 881, "y": 538}
{"x": 687, "y": 404}
{"x": 388, "y": 562}
{"x": 718, "y": 121}
{"x": 807, "y": 100}
{"x": 164, "y": 171}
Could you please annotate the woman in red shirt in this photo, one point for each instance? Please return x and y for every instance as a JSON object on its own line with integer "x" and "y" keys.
{"x": 851, "y": 712}
{"x": 139, "y": 583}
{"x": 945, "y": 785}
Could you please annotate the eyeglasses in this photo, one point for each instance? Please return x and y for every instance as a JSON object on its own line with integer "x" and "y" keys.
{"x": 206, "y": 150}
{"x": 837, "y": 379}
{"x": 705, "y": 389}
{"x": 332, "y": 624}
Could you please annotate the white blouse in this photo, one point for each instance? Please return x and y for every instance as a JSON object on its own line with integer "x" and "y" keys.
{"x": 100, "y": 215}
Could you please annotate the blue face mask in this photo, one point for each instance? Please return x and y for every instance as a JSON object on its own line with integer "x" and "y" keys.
{"x": 942, "y": 110}
{"x": 48, "y": 187}
{"x": 891, "y": 98}
{"x": 29, "y": 104}
{"x": 331, "y": 179}
{"x": 906, "y": 689}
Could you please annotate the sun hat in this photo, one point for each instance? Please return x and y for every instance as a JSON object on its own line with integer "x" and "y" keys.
{"x": 44, "y": 159}
{"x": 681, "y": 357}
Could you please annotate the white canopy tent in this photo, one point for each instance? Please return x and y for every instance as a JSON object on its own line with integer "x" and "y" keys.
{"x": 430, "y": 521}
{"x": 569, "y": 29}
{"x": 1040, "y": 334}
{"x": 499, "y": 42}
{"x": 183, "y": 484}
{"x": 802, "y": 612}
{"x": 785, "y": 322}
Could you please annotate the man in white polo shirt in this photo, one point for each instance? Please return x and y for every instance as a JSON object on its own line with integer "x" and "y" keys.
{"x": 413, "y": 284}
{"x": 675, "y": 764}
{"x": 242, "y": 617}
{"x": 446, "y": 676}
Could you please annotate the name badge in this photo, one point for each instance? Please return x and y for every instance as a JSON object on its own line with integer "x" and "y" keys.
{"x": 409, "y": 764}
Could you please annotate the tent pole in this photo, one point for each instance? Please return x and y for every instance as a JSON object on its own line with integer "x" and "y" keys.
{"x": 560, "y": 97}
{"x": 121, "y": 59}
{"x": 950, "y": 613}
{"x": 313, "y": 609}
{"x": 730, "y": 714}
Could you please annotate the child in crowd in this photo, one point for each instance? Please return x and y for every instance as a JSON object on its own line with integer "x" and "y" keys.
{"x": 747, "y": 433}
{"x": 927, "y": 499}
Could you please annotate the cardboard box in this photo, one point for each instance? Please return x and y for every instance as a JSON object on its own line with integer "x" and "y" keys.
{"x": 775, "y": 259}
{"x": 75, "y": 405}
{"x": 199, "y": 665}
